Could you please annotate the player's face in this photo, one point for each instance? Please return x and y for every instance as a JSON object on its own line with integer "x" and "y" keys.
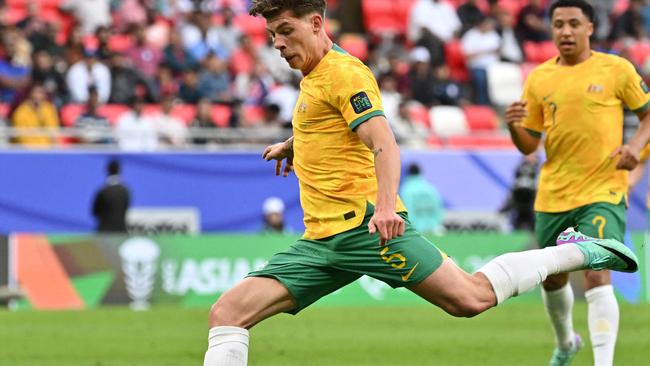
{"x": 571, "y": 31}
{"x": 295, "y": 38}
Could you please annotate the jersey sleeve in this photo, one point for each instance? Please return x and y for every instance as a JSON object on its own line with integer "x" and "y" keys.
{"x": 534, "y": 122}
{"x": 356, "y": 95}
{"x": 645, "y": 153}
{"x": 632, "y": 90}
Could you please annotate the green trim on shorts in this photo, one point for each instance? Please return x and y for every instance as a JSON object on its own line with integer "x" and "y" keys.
{"x": 311, "y": 269}
{"x": 598, "y": 220}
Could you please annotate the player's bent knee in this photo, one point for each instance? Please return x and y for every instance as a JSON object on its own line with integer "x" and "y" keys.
{"x": 466, "y": 307}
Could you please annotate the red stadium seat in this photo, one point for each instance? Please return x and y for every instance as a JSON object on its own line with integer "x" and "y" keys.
{"x": 254, "y": 27}
{"x": 456, "y": 61}
{"x": 119, "y": 43}
{"x": 112, "y": 111}
{"x": 4, "y": 110}
{"x": 221, "y": 115}
{"x": 420, "y": 114}
{"x": 480, "y": 118}
{"x": 386, "y": 16}
{"x": 70, "y": 112}
{"x": 539, "y": 52}
{"x": 640, "y": 53}
{"x": 184, "y": 112}
{"x": 355, "y": 45}
{"x": 252, "y": 115}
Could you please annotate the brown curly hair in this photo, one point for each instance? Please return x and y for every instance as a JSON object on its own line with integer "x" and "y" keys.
{"x": 272, "y": 8}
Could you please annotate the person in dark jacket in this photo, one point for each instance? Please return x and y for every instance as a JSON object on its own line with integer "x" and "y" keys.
{"x": 111, "y": 202}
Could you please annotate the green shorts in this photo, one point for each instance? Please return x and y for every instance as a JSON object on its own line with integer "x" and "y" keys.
{"x": 311, "y": 269}
{"x": 598, "y": 220}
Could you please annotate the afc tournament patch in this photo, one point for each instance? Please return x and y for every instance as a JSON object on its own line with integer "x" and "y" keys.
{"x": 644, "y": 87}
{"x": 360, "y": 102}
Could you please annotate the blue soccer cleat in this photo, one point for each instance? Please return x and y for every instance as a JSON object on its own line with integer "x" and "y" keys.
{"x": 564, "y": 358}
{"x": 602, "y": 253}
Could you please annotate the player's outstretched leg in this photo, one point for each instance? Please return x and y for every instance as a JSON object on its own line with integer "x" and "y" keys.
{"x": 462, "y": 294}
{"x": 248, "y": 303}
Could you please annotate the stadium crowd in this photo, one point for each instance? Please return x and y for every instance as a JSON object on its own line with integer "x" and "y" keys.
{"x": 152, "y": 74}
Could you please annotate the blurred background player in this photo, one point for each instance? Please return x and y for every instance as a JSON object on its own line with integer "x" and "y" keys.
{"x": 520, "y": 204}
{"x": 426, "y": 209}
{"x": 273, "y": 209}
{"x": 111, "y": 202}
{"x": 576, "y": 100}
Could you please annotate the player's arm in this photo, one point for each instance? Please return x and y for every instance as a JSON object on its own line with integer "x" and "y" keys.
{"x": 630, "y": 153}
{"x": 280, "y": 152}
{"x": 525, "y": 141}
{"x": 377, "y": 135}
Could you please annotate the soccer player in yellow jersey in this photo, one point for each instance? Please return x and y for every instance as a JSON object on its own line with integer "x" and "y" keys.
{"x": 348, "y": 166}
{"x": 576, "y": 99}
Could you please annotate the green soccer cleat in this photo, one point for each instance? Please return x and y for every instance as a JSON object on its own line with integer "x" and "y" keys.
{"x": 602, "y": 253}
{"x": 564, "y": 358}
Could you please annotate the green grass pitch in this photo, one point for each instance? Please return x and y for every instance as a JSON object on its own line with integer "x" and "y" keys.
{"x": 514, "y": 334}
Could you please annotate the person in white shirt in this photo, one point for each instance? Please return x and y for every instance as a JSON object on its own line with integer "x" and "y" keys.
{"x": 90, "y": 14}
{"x": 87, "y": 73}
{"x": 170, "y": 129}
{"x": 134, "y": 131}
{"x": 481, "y": 46}
{"x": 438, "y": 17}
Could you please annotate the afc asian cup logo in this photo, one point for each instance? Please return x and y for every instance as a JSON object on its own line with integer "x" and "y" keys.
{"x": 139, "y": 257}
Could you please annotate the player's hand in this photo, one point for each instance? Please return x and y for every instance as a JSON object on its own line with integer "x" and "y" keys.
{"x": 629, "y": 158}
{"x": 389, "y": 225}
{"x": 516, "y": 112}
{"x": 281, "y": 153}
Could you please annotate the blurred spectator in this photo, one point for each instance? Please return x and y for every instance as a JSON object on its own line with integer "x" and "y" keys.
{"x": 94, "y": 127}
{"x": 214, "y": 80}
{"x": 253, "y": 88}
{"x": 630, "y": 24}
{"x": 407, "y": 131}
{"x": 532, "y": 25}
{"x": 14, "y": 76}
{"x": 470, "y": 15}
{"x": 88, "y": 72}
{"x": 432, "y": 23}
{"x": 424, "y": 203}
{"x": 53, "y": 80}
{"x": 176, "y": 56}
{"x": 103, "y": 35}
{"x": 228, "y": 33}
{"x": 603, "y": 10}
{"x": 273, "y": 210}
{"x": 170, "y": 129}
{"x": 421, "y": 77}
{"x": 165, "y": 82}
{"x": 285, "y": 97}
{"x": 437, "y": 17}
{"x": 521, "y": 201}
{"x": 188, "y": 91}
{"x": 200, "y": 37}
{"x": 27, "y": 23}
{"x": 645, "y": 12}
{"x": 42, "y": 36}
{"x": 143, "y": 57}
{"x": 90, "y": 14}
{"x": 36, "y": 112}
{"x": 203, "y": 119}
{"x": 134, "y": 131}
{"x": 390, "y": 97}
{"x": 244, "y": 57}
{"x": 111, "y": 202}
{"x": 131, "y": 12}
{"x": 278, "y": 67}
{"x": 73, "y": 50}
{"x": 481, "y": 46}
{"x": 272, "y": 120}
{"x": 511, "y": 49}
{"x": 127, "y": 82}
{"x": 447, "y": 91}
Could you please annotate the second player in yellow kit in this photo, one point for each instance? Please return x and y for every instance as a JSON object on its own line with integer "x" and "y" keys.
{"x": 576, "y": 102}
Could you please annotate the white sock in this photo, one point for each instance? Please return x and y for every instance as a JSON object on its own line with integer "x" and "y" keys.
{"x": 227, "y": 346}
{"x": 559, "y": 305}
{"x": 603, "y": 323}
{"x": 514, "y": 273}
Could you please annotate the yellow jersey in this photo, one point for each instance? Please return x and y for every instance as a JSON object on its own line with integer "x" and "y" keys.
{"x": 335, "y": 169}
{"x": 580, "y": 110}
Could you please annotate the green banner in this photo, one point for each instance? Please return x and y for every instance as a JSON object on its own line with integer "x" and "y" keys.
{"x": 195, "y": 270}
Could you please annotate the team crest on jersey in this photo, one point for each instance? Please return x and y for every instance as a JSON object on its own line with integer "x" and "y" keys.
{"x": 595, "y": 88}
{"x": 360, "y": 102}
{"x": 644, "y": 87}
{"x": 302, "y": 108}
